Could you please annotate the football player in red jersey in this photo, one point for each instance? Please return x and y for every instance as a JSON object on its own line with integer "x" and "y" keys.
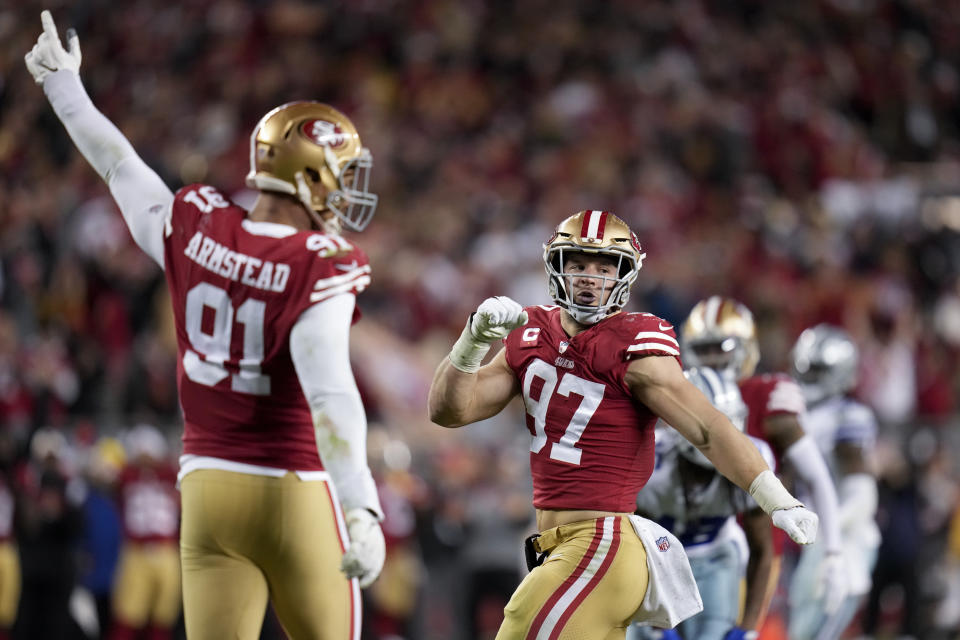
{"x": 263, "y": 302}
{"x": 146, "y": 592}
{"x": 593, "y": 380}
{"x": 720, "y": 333}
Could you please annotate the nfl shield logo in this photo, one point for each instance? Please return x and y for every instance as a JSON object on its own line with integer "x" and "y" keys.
{"x": 563, "y": 346}
{"x": 663, "y": 544}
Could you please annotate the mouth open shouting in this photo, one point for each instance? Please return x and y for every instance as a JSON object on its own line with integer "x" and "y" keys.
{"x": 587, "y": 297}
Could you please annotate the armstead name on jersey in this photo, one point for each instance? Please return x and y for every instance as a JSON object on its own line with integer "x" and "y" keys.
{"x": 257, "y": 273}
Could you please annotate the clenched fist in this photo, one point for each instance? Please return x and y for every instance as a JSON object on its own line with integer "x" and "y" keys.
{"x": 495, "y": 318}
{"x": 364, "y": 559}
{"x": 799, "y": 522}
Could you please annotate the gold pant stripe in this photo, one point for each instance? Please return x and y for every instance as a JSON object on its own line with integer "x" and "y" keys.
{"x": 588, "y": 588}
{"x": 594, "y": 563}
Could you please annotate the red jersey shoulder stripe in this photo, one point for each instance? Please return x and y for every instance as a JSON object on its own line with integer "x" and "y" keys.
{"x": 355, "y": 279}
{"x": 655, "y": 341}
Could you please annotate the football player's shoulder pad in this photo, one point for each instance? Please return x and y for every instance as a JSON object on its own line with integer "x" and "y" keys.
{"x": 336, "y": 265}
{"x": 643, "y": 334}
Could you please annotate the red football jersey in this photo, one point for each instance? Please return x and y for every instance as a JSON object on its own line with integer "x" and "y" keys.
{"x": 770, "y": 394}
{"x": 592, "y": 445}
{"x": 237, "y": 288}
{"x": 149, "y": 503}
{"x": 766, "y": 395}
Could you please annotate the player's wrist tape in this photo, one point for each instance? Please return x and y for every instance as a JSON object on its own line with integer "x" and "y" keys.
{"x": 770, "y": 493}
{"x": 468, "y": 352}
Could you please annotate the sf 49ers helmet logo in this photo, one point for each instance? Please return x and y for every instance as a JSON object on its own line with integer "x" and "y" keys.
{"x": 635, "y": 242}
{"x": 324, "y": 133}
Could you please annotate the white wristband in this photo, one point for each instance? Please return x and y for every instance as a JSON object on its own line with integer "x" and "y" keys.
{"x": 468, "y": 352}
{"x": 770, "y": 493}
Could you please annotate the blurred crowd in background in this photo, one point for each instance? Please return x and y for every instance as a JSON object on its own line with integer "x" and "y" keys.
{"x": 803, "y": 157}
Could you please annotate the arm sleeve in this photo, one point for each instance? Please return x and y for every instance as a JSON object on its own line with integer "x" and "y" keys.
{"x": 812, "y": 469}
{"x": 143, "y": 198}
{"x": 858, "y": 499}
{"x": 320, "y": 349}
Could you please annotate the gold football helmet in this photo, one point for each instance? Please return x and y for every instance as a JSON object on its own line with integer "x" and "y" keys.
{"x": 313, "y": 152}
{"x": 593, "y": 232}
{"x": 720, "y": 333}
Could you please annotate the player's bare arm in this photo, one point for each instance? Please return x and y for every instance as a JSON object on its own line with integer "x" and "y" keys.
{"x": 782, "y": 430}
{"x": 457, "y": 398}
{"x": 462, "y": 391}
{"x": 659, "y": 383}
{"x": 762, "y": 568}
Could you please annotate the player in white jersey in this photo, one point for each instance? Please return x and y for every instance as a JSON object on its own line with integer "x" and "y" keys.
{"x": 687, "y": 496}
{"x": 721, "y": 333}
{"x": 825, "y": 363}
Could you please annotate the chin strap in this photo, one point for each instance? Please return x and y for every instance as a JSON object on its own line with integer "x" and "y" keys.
{"x": 330, "y": 225}
{"x": 588, "y": 317}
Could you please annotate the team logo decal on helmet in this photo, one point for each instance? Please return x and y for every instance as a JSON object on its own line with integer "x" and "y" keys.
{"x": 720, "y": 333}
{"x": 313, "y": 152}
{"x": 324, "y": 133}
{"x": 594, "y": 233}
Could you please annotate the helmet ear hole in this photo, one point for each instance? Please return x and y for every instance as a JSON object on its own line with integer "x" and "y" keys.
{"x": 312, "y": 173}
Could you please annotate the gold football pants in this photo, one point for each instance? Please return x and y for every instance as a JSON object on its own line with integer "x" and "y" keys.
{"x": 147, "y": 587}
{"x": 9, "y": 584}
{"x": 588, "y": 588}
{"x": 246, "y": 538}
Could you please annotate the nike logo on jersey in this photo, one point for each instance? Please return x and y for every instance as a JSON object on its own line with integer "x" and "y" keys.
{"x": 346, "y": 267}
{"x": 664, "y": 328}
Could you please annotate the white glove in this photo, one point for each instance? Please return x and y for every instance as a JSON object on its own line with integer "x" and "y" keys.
{"x": 48, "y": 55}
{"x": 833, "y": 586}
{"x": 364, "y": 559}
{"x": 495, "y": 318}
{"x": 799, "y": 522}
